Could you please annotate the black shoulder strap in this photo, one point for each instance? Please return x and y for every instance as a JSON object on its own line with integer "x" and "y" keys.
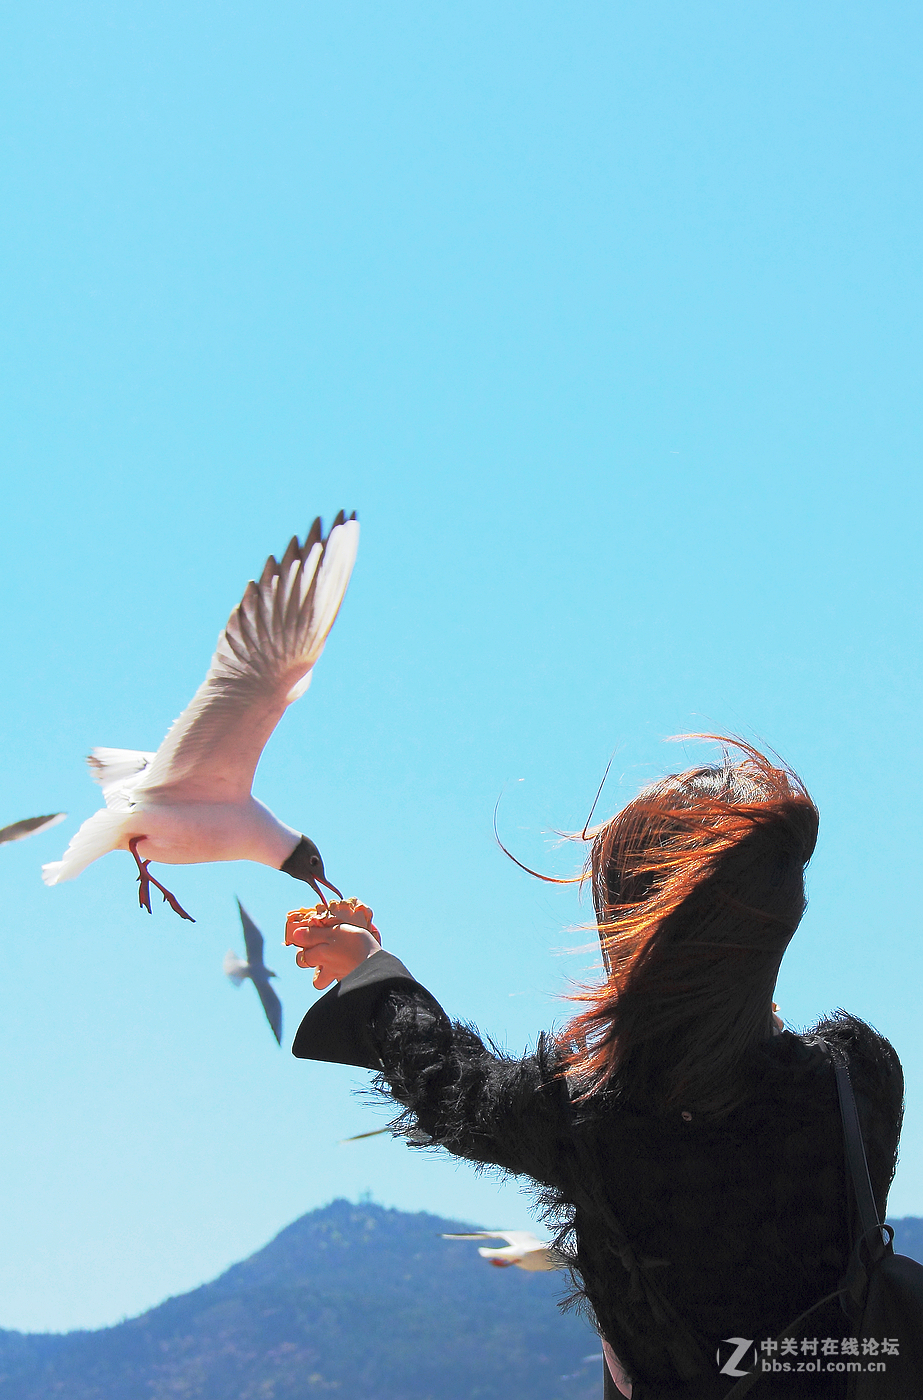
{"x": 794, "y": 1329}
{"x": 853, "y": 1286}
{"x": 873, "y": 1238}
{"x": 856, "y": 1160}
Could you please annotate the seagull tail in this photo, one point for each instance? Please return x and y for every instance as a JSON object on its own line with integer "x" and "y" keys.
{"x": 234, "y": 968}
{"x": 117, "y": 771}
{"x": 99, "y": 834}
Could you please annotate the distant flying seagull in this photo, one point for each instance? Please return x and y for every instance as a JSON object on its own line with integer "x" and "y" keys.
{"x": 522, "y": 1248}
{"x": 257, "y": 971}
{"x": 16, "y": 831}
{"x": 190, "y": 802}
{"x": 415, "y": 1135}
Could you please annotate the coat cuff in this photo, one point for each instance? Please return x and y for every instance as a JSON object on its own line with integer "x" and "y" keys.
{"x": 337, "y": 1028}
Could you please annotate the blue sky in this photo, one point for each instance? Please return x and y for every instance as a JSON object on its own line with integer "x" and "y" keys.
{"x": 606, "y": 320}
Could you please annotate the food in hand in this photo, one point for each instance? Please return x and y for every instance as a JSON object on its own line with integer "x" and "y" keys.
{"x": 320, "y": 916}
{"x": 331, "y": 938}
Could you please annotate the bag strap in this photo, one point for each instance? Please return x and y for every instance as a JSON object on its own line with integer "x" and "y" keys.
{"x": 794, "y": 1329}
{"x": 874, "y": 1238}
{"x": 869, "y": 1220}
{"x": 854, "y": 1285}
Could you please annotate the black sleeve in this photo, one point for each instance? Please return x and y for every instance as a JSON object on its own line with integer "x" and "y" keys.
{"x": 470, "y": 1098}
{"x": 456, "y": 1092}
{"x": 338, "y": 1027}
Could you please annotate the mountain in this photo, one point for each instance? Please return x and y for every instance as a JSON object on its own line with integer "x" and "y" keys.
{"x": 908, "y": 1236}
{"x": 349, "y": 1301}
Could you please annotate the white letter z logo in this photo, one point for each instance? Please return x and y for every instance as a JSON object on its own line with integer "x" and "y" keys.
{"x": 742, "y": 1345}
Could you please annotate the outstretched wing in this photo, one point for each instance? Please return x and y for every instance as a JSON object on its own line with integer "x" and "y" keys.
{"x": 520, "y": 1239}
{"x": 513, "y": 1237}
{"x": 271, "y": 1005}
{"x": 253, "y": 939}
{"x": 28, "y": 827}
{"x": 262, "y": 663}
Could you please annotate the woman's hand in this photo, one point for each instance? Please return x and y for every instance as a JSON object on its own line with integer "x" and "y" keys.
{"x": 334, "y": 938}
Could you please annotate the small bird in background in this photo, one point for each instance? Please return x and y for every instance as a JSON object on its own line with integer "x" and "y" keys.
{"x": 191, "y": 802}
{"x": 416, "y": 1135}
{"x": 256, "y": 970}
{"x": 31, "y": 826}
{"x": 522, "y": 1248}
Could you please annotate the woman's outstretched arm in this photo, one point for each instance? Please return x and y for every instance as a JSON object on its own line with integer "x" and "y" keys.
{"x": 457, "y": 1092}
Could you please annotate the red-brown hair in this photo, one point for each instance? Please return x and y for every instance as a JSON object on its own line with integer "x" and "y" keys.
{"x": 698, "y": 886}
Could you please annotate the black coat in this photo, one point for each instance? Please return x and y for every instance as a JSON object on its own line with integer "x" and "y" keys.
{"x": 714, "y": 1229}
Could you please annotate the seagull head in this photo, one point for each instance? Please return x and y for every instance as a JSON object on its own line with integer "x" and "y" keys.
{"x": 305, "y": 863}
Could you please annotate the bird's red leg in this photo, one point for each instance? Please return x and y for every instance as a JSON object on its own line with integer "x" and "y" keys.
{"x": 146, "y": 879}
{"x": 169, "y": 898}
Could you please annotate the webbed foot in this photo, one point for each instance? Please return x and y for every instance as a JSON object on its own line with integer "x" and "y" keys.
{"x": 146, "y": 879}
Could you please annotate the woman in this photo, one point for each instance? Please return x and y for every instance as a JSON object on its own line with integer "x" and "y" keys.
{"x": 688, "y": 1147}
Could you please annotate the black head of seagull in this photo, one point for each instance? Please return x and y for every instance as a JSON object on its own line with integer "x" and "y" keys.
{"x": 305, "y": 863}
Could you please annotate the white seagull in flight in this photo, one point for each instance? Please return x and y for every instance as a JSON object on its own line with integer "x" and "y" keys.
{"x": 256, "y": 970}
{"x": 191, "y": 802}
{"x": 522, "y": 1248}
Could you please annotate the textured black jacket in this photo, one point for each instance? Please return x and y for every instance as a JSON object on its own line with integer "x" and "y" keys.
{"x": 717, "y": 1230}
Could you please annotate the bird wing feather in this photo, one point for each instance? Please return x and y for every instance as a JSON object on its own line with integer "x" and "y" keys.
{"x": 262, "y": 663}
{"x": 16, "y": 831}
{"x": 271, "y": 1005}
{"x": 118, "y": 772}
{"x": 253, "y": 940}
{"x": 512, "y": 1237}
{"x": 521, "y": 1239}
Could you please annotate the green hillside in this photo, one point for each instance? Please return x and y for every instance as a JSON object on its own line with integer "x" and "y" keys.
{"x": 350, "y": 1300}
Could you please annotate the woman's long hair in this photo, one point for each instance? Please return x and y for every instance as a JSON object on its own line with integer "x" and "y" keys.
{"x": 698, "y": 886}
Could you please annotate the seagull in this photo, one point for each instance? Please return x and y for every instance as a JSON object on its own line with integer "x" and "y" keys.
{"x": 190, "y": 802}
{"x": 522, "y": 1248}
{"x": 257, "y": 971}
{"x": 17, "y": 831}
